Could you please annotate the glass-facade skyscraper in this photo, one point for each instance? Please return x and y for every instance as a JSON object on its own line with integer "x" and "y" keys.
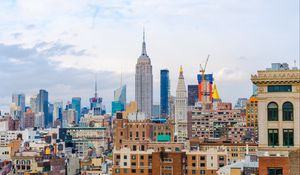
{"x": 164, "y": 92}
{"x": 119, "y": 103}
{"x": 42, "y": 106}
{"x": 76, "y": 105}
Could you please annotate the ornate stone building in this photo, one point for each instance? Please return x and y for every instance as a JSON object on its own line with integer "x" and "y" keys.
{"x": 181, "y": 109}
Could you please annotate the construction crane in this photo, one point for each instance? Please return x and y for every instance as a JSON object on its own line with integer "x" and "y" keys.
{"x": 202, "y": 69}
{"x": 202, "y": 86}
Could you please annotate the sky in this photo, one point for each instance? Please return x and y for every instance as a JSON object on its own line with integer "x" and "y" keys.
{"x": 62, "y": 45}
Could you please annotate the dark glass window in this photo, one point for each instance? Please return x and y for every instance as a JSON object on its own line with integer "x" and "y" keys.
{"x": 273, "y": 137}
{"x": 272, "y": 111}
{"x": 280, "y": 88}
{"x": 288, "y": 137}
{"x": 287, "y": 111}
{"x": 274, "y": 171}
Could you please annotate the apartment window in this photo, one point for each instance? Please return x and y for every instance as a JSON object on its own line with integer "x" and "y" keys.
{"x": 117, "y": 171}
{"x": 288, "y": 137}
{"x": 133, "y": 157}
{"x": 130, "y": 134}
{"x": 193, "y": 171}
{"x": 125, "y": 163}
{"x": 273, "y": 137}
{"x": 125, "y": 157}
{"x": 142, "y": 157}
{"x": 142, "y": 171}
{"x": 221, "y": 158}
{"x": 133, "y": 170}
{"x": 134, "y": 148}
{"x": 118, "y": 157}
{"x": 280, "y": 88}
{"x": 202, "y": 171}
{"x": 287, "y": 111}
{"x": 272, "y": 111}
{"x": 142, "y": 148}
{"x": 202, "y": 158}
{"x": 137, "y": 134}
{"x": 133, "y": 163}
{"x": 143, "y": 133}
{"x": 125, "y": 171}
{"x": 141, "y": 163}
{"x": 121, "y": 133}
{"x": 202, "y": 164}
{"x": 193, "y": 164}
{"x": 275, "y": 171}
{"x": 193, "y": 157}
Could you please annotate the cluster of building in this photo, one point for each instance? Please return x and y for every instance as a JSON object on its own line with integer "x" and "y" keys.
{"x": 192, "y": 132}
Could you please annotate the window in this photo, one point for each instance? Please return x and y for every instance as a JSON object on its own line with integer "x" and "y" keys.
{"x": 142, "y": 171}
{"x": 202, "y": 158}
{"x": 133, "y": 170}
{"x": 193, "y": 157}
{"x": 273, "y": 137}
{"x": 202, "y": 171}
{"x": 288, "y": 137}
{"x": 287, "y": 111}
{"x": 193, "y": 164}
{"x": 202, "y": 164}
{"x": 125, "y": 157}
{"x": 118, "y": 156}
{"x": 193, "y": 171}
{"x": 141, "y": 163}
{"x": 125, "y": 163}
{"x": 117, "y": 171}
{"x": 280, "y": 88}
{"x": 133, "y": 157}
{"x": 125, "y": 171}
{"x": 274, "y": 171}
{"x": 133, "y": 163}
{"x": 272, "y": 111}
{"x": 137, "y": 134}
{"x": 142, "y": 157}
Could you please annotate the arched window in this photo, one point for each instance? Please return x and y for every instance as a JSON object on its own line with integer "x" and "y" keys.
{"x": 287, "y": 111}
{"x": 272, "y": 111}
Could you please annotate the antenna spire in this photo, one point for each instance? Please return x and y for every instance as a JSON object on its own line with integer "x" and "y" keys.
{"x": 144, "y": 43}
{"x": 96, "y": 94}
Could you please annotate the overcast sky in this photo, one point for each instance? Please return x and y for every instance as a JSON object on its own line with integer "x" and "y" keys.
{"x": 60, "y": 45}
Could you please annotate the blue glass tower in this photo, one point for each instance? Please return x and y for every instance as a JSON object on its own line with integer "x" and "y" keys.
{"x": 76, "y": 105}
{"x": 164, "y": 92}
{"x": 43, "y": 106}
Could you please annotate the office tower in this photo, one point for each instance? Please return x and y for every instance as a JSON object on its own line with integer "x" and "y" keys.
{"x": 18, "y": 106}
{"x": 69, "y": 117}
{"x": 42, "y": 106}
{"x": 164, "y": 92}
{"x": 120, "y": 95}
{"x": 156, "y": 110}
{"x": 96, "y": 105}
{"x": 76, "y": 105}
{"x": 119, "y": 102}
{"x": 278, "y": 118}
{"x": 33, "y": 103}
{"x": 57, "y": 111}
{"x": 192, "y": 95}
{"x": 181, "y": 109}
{"x": 39, "y": 120}
{"x": 241, "y": 103}
{"x": 144, "y": 82}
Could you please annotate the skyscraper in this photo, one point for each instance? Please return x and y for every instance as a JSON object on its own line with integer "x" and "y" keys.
{"x": 192, "y": 95}
{"x": 42, "y": 106}
{"x": 181, "y": 109}
{"x": 96, "y": 103}
{"x": 57, "y": 111}
{"x": 18, "y": 110}
{"x": 144, "y": 82}
{"x": 164, "y": 92}
{"x": 119, "y": 102}
{"x": 76, "y": 105}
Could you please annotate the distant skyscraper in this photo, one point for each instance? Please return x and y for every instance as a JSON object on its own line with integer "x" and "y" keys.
{"x": 96, "y": 103}
{"x": 181, "y": 109}
{"x": 34, "y": 104}
{"x": 42, "y": 106}
{"x": 192, "y": 95}
{"x": 119, "y": 102}
{"x": 57, "y": 111}
{"x": 156, "y": 110}
{"x": 76, "y": 105}
{"x": 144, "y": 82}
{"x": 18, "y": 107}
{"x": 164, "y": 92}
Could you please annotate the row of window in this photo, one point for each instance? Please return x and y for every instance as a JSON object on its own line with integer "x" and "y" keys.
{"x": 287, "y": 111}
{"x": 288, "y": 137}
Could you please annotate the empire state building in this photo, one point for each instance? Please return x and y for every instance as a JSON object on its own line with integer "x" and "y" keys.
{"x": 144, "y": 82}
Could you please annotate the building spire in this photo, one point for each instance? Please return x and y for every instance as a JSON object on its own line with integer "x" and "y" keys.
{"x": 181, "y": 72}
{"x": 144, "y": 44}
{"x": 96, "y": 94}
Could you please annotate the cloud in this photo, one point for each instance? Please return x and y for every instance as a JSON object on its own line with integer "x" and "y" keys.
{"x": 29, "y": 69}
{"x": 232, "y": 75}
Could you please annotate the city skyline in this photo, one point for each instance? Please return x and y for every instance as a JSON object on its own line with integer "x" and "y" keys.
{"x": 38, "y": 56}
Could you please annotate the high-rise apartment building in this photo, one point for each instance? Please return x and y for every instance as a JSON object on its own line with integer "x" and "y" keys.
{"x": 76, "y": 105}
{"x": 251, "y": 112}
{"x": 164, "y": 92}
{"x": 181, "y": 109}
{"x": 144, "y": 82}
